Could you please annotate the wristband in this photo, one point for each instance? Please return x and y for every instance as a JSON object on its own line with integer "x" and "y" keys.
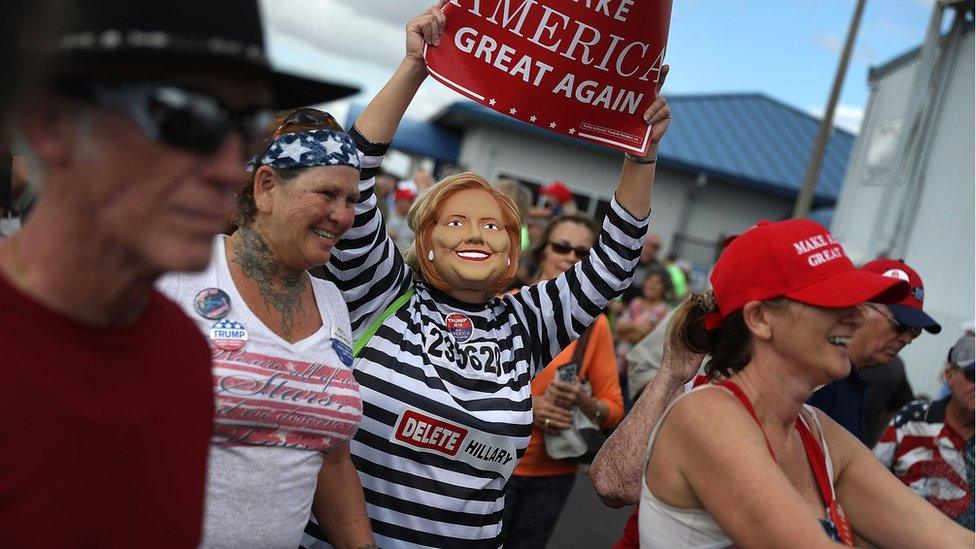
{"x": 638, "y": 160}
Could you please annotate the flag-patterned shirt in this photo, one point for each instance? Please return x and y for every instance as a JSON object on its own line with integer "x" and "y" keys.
{"x": 931, "y": 458}
{"x": 447, "y": 408}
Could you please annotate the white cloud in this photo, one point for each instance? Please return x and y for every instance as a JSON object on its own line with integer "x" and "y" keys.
{"x": 355, "y": 41}
{"x": 829, "y": 42}
{"x": 834, "y": 44}
{"x": 847, "y": 117}
{"x": 336, "y": 27}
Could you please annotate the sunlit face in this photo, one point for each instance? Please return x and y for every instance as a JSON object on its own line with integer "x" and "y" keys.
{"x": 469, "y": 241}
{"x": 566, "y": 234}
{"x": 877, "y": 341}
{"x": 815, "y": 340}
{"x": 309, "y": 214}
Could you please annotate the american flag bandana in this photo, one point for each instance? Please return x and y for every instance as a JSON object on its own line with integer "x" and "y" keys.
{"x": 308, "y": 149}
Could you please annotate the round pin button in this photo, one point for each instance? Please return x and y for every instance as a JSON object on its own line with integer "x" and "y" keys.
{"x": 229, "y": 335}
{"x": 460, "y": 327}
{"x": 212, "y": 303}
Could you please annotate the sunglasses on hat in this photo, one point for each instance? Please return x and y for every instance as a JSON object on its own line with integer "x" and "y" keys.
{"x": 563, "y": 248}
{"x": 305, "y": 117}
{"x": 899, "y": 327}
{"x": 185, "y": 118}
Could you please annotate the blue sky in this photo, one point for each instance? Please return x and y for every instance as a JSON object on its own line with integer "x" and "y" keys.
{"x": 787, "y": 49}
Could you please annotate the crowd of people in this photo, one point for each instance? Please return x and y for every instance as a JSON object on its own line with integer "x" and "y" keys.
{"x": 366, "y": 362}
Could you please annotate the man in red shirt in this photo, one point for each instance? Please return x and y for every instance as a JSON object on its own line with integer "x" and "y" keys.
{"x": 137, "y": 143}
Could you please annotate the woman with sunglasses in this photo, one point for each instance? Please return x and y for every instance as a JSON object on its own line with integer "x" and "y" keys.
{"x": 444, "y": 364}
{"x": 539, "y": 487}
{"x": 286, "y": 400}
{"x": 743, "y": 461}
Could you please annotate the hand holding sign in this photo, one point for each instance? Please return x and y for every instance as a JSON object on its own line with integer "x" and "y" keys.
{"x": 658, "y": 115}
{"x": 582, "y": 69}
{"x": 424, "y": 29}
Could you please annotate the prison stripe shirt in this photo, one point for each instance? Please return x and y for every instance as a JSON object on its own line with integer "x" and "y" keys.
{"x": 447, "y": 408}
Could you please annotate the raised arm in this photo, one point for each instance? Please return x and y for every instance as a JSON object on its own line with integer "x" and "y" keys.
{"x": 637, "y": 179}
{"x": 380, "y": 119}
{"x": 617, "y": 470}
{"x": 365, "y": 264}
{"x": 557, "y": 311}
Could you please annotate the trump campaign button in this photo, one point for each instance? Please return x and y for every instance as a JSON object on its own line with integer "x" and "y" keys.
{"x": 460, "y": 327}
{"x": 229, "y": 335}
{"x": 212, "y": 303}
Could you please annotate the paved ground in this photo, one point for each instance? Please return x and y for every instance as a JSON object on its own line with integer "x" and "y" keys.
{"x": 586, "y": 523}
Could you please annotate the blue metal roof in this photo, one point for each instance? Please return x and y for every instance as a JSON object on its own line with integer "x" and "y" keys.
{"x": 419, "y": 137}
{"x": 745, "y": 139}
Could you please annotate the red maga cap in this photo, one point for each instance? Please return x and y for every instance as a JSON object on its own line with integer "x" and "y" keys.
{"x": 557, "y": 190}
{"x": 797, "y": 259}
{"x": 908, "y": 311}
{"x": 404, "y": 194}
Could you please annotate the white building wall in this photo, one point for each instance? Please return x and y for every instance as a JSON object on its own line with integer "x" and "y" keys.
{"x": 864, "y": 196}
{"x": 721, "y": 208}
{"x": 715, "y": 209}
{"x": 940, "y": 243}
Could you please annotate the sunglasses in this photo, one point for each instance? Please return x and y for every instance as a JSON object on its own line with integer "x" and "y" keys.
{"x": 184, "y": 118}
{"x": 305, "y": 117}
{"x": 970, "y": 375}
{"x": 900, "y": 328}
{"x": 563, "y": 248}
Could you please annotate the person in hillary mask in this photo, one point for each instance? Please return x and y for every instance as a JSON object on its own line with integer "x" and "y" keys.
{"x": 444, "y": 365}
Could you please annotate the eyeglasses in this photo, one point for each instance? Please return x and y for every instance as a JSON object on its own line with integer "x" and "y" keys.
{"x": 563, "y": 248}
{"x": 900, "y": 328}
{"x": 181, "y": 117}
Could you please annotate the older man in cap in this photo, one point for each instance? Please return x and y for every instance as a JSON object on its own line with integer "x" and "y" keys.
{"x": 139, "y": 139}
{"x": 886, "y": 330}
{"x": 929, "y": 445}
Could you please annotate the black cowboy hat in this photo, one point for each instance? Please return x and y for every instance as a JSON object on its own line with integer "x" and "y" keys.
{"x": 221, "y": 33}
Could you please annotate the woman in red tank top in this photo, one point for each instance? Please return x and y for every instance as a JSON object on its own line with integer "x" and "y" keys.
{"x": 743, "y": 461}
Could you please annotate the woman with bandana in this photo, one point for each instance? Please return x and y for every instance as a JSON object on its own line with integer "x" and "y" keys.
{"x": 286, "y": 401}
{"x": 443, "y": 364}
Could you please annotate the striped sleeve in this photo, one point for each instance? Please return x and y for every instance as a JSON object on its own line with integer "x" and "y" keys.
{"x": 365, "y": 264}
{"x": 557, "y": 311}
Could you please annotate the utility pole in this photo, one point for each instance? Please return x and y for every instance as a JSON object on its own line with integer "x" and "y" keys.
{"x": 805, "y": 199}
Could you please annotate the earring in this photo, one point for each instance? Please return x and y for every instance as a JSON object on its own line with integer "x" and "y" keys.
{"x": 508, "y": 261}
{"x": 430, "y": 255}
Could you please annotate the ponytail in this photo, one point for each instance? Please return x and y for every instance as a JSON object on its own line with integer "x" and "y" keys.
{"x": 728, "y": 345}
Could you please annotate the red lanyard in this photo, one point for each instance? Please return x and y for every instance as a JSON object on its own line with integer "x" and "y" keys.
{"x": 815, "y": 457}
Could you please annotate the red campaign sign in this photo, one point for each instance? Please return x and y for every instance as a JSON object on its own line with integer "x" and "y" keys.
{"x": 583, "y": 68}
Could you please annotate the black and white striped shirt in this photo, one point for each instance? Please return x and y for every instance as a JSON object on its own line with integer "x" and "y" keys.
{"x": 447, "y": 409}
